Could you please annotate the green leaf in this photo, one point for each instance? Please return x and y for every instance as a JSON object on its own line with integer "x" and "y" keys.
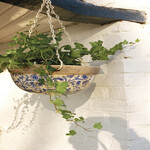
{"x": 67, "y": 47}
{"x": 41, "y": 81}
{"x": 50, "y": 69}
{"x": 71, "y": 133}
{"x": 98, "y": 43}
{"x": 78, "y": 45}
{"x": 81, "y": 118}
{"x": 15, "y": 38}
{"x": 76, "y": 119}
{"x": 58, "y": 102}
{"x": 61, "y": 87}
{"x": 41, "y": 71}
{"x": 11, "y": 44}
{"x": 58, "y": 36}
{"x": 97, "y": 125}
{"x": 117, "y": 47}
{"x": 125, "y": 42}
{"x": 137, "y": 40}
{"x": 13, "y": 64}
{"x": 84, "y": 51}
{"x": 131, "y": 42}
{"x": 66, "y": 114}
{"x": 76, "y": 54}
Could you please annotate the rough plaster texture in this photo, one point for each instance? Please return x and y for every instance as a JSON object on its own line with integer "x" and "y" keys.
{"x": 119, "y": 98}
{"x": 134, "y": 4}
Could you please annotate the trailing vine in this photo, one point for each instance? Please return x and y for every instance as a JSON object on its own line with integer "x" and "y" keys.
{"x": 39, "y": 49}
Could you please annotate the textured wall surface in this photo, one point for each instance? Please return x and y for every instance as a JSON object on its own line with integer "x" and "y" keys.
{"x": 119, "y": 98}
{"x": 134, "y": 4}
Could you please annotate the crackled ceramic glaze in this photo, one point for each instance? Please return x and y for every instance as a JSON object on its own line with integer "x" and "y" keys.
{"x": 29, "y": 82}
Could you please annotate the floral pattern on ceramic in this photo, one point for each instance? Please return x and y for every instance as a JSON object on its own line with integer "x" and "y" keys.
{"x": 29, "y": 82}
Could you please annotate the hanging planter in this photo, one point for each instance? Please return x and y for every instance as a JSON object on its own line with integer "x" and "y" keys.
{"x": 39, "y": 64}
{"x": 77, "y": 77}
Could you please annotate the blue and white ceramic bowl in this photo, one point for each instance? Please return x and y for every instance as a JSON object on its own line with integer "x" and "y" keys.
{"x": 78, "y": 78}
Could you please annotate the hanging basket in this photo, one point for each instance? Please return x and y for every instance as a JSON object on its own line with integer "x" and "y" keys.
{"x": 78, "y": 78}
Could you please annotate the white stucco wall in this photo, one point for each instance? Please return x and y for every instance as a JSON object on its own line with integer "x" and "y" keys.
{"x": 134, "y": 4}
{"x": 119, "y": 98}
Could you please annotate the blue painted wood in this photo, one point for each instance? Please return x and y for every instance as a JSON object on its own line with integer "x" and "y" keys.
{"x": 79, "y": 11}
{"x": 82, "y": 8}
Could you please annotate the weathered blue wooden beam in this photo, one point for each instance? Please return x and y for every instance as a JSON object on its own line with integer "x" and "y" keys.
{"x": 79, "y": 11}
{"x": 89, "y": 10}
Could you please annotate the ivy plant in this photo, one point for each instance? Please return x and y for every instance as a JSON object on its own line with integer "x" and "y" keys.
{"x": 39, "y": 49}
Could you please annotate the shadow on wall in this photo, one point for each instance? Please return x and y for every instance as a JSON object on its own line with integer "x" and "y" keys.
{"x": 27, "y": 117}
{"x": 26, "y": 108}
{"x": 113, "y": 136}
{"x": 74, "y": 100}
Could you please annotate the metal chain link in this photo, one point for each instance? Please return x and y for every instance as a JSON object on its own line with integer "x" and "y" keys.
{"x": 53, "y": 33}
{"x": 63, "y": 27}
{"x": 50, "y": 10}
{"x": 50, "y": 21}
{"x": 60, "y": 22}
{"x": 36, "y": 18}
{"x": 51, "y": 27}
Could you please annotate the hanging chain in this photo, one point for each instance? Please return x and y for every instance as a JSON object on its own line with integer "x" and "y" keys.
{"x": 50, "y": 22}
{"x": 36, "y": 18}
{"x": 50, "y": 10}
{"x": 60, "y": 22}
{"x": 51, "y": 26}
{"x": 53, "y": 33}
{"x": 63, "y": 27}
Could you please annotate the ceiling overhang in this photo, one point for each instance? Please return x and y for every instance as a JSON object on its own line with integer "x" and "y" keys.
{"x": 79, "y": 11}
